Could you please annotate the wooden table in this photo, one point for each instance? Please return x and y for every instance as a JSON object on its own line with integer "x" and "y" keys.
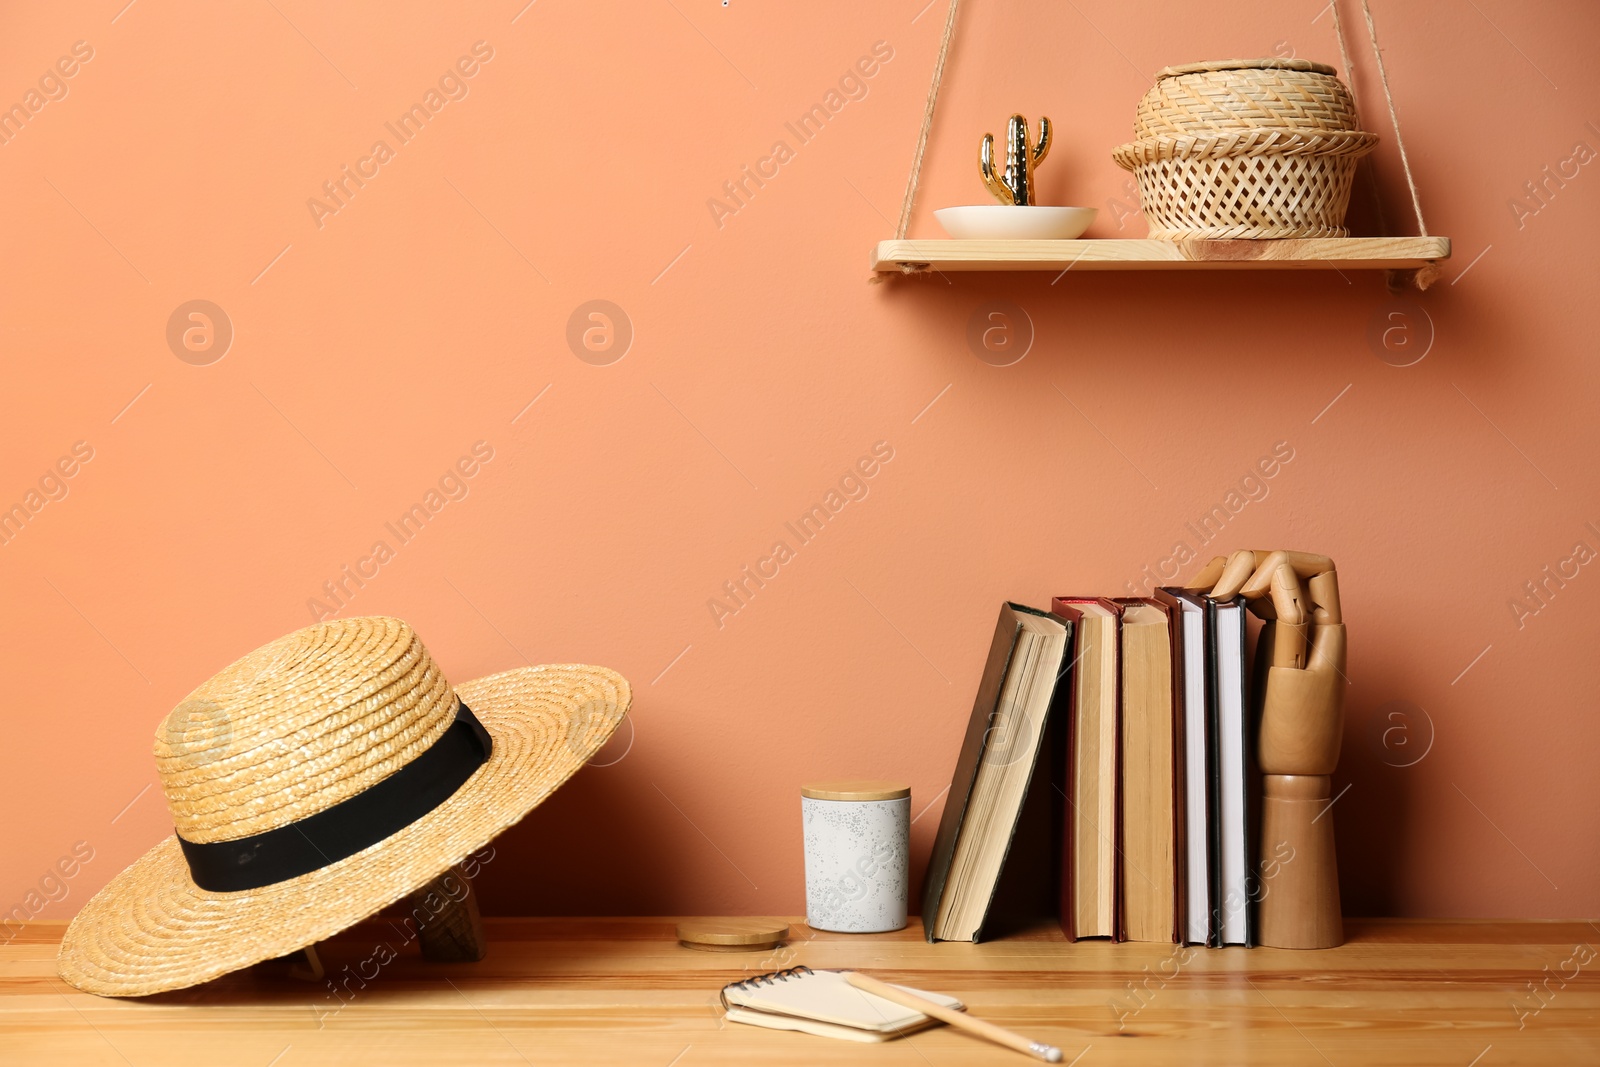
{"x": 622, "y": 991}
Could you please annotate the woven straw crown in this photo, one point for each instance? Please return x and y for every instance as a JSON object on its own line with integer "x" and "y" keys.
{"x": 1243, "y": 95}
{"x": 298, "y": 726}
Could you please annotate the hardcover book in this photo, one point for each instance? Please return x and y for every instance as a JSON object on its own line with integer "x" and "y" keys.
{"x": 1233, "y": 823}
{"x": 1090, "y": 871}
{"x": 1149, "y": 788}
{"x": 1028, "y": 656}
{"x": 1191, "y": 699}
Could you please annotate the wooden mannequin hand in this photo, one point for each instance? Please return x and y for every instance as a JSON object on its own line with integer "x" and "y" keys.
{"x": 1302, "y": 721}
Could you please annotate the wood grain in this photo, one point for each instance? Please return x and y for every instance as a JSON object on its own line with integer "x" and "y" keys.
{"x": 1301, "y": 907}
{"x": 621, "y": 991}
{"x": 855, "y": 789}
{"x": 1327, "y": 253}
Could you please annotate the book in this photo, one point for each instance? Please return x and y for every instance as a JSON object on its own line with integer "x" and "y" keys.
{"x": 1148, "y": 789}
{"x": 1027, "y": 658}
{"x": 1090, "y": 883}
{"x": 1194, "y": 765}
{"x": 823, "y": 1003}
{"x": 1233, "y": 823}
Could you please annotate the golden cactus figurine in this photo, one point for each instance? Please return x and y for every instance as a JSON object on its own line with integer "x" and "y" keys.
{"x": 1014, "y": 186}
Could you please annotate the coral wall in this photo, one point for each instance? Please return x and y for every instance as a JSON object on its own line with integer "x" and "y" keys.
{"x": 398, "y": 217}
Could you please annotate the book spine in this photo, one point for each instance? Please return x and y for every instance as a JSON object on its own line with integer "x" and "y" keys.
{"x": 1217, "y": 887}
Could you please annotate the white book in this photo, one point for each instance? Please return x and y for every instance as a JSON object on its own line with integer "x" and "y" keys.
{"x": 1196, "y": 778}
{"x": 1232, "y": 797}
{"x": 823, "y": 1003}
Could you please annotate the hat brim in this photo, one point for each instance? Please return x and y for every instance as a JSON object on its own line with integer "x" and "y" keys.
{"x": 152, "y": 929}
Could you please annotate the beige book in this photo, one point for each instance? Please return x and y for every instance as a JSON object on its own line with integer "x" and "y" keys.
{"x": 1004, "y": 773}
{"x": 1149, "y": 828}
{"x": 1091, "y": 863}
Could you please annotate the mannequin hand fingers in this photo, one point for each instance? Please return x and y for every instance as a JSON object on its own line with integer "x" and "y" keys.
{"x": 1239, "y": 567}
{"x": 1324, "y": 589}
{"x": 1208, "y": 574}
{"x": 1328, "y": 650}
{"x": 1267, "y": 565}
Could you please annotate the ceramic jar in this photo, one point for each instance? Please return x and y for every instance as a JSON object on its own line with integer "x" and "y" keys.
{"x": 857, "y": 843}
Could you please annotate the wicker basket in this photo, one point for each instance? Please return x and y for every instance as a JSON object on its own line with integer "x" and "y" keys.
{"x": 1254, "y": 149}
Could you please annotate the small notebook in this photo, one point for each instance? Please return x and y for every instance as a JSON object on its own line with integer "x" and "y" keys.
{"x": 823, "y": 1003}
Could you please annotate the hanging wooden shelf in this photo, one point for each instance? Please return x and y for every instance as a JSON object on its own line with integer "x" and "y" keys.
{"x": 1408, "y": 260}
{"x": 1413, "y": 254}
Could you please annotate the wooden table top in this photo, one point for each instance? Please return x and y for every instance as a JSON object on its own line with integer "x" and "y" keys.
{"x": 622, "y": 991}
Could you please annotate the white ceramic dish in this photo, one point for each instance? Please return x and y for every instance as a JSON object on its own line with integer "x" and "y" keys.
{"x": 1002, "y": 222}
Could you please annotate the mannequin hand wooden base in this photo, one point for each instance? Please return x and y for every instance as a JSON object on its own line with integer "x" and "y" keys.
{"x": 1299, "y": 906}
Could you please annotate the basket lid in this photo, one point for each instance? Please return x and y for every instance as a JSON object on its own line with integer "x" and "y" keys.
{"x": 1247, "y": 64}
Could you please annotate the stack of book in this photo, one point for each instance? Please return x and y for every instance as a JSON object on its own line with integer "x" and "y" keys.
{"x": 1130, "y": 717}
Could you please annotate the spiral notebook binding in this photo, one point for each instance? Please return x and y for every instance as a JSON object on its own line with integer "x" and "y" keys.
{"x": 772, "y": 978}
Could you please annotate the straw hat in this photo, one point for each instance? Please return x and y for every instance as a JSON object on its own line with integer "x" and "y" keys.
{"x": 315, "y": 781}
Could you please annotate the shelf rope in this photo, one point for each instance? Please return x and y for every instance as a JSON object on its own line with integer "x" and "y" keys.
{"x": 1344, "y": 53}
{"x": 1388, "y": 97}
{"x": 927, "y": 122}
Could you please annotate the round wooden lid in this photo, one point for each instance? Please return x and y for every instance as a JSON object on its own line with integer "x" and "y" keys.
{"x": 733, "y": 934}
{"x": 855, "y": 789}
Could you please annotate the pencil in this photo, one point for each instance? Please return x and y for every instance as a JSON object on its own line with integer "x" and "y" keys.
{"x": 959, "y": 1019}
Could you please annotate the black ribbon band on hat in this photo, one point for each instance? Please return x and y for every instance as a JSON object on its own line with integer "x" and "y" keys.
{"x": 349, "y": 826}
